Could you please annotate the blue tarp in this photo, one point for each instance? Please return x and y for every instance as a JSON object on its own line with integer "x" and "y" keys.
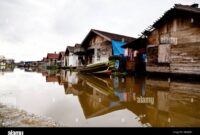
{"x": 116, "y": 46}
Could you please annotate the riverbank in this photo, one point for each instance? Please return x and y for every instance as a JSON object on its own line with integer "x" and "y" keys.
{"x": 13, "y": 117}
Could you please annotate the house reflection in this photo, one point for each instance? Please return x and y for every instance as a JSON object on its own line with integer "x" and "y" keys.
{"x": 99, "y": 96}
{"x": 177, "y": 103}
{"x": 69, "y": 80}
{"x": 6, "y": 69}
{"x": 61, "y": 77}
{"x": 52, "y": 76}
{"x": 155, "y": 102}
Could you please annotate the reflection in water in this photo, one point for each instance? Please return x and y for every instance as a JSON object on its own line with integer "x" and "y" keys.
{"x": 6, "y": 69}
{"x": 157, "y": 103}
{"x": 176, "y": 103}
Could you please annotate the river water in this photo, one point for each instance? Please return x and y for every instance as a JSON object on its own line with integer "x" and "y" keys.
{"x": 78, "y": 100}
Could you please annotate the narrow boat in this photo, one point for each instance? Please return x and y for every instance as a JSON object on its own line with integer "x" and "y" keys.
{"x": 98, "y": 68}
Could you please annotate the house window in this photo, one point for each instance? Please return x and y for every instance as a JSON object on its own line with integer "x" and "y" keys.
{"x": 164, "y": 53}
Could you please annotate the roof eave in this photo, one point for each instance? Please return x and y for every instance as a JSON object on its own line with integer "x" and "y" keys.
{"x": 93, "y": 31}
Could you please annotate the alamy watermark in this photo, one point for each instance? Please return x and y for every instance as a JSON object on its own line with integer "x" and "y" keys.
{"x": 15, "y": 132}
{"x": 144, "y": 100}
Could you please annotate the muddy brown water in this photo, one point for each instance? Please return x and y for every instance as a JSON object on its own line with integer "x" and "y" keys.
{"x": 77, "y": 100}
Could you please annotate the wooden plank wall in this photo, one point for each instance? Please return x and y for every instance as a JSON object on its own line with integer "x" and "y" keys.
{"x": 152, "y": 61}
{"x": 185, "y": 50}
{"x": 185, "y": 58}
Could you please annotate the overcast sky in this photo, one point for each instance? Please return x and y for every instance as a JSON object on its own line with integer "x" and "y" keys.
{"x": 29, "y": 29}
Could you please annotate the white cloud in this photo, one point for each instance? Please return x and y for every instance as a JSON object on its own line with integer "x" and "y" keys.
{"x": 31, "y": 28}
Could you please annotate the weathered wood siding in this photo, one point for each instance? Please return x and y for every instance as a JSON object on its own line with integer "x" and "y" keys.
{"x": 185, "y": 58}
{"x": 102, "y": 49}
{"x": 183, "y": 35}
{"x": 152, "y": 61}
{"x": 177, "y": 31}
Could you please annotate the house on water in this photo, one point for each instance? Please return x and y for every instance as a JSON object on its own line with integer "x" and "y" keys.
{"x": 80, "y": 52}
{"x": 70, "y": 59}
{"x": 52, "y": 59}
{"x": 61, "y": 59}
{"x": 6, "y": 62}
{"x": 44, "y": 62}
{"x": 174, "y": 41}
{"x": 10, "y": 62}
{"x": 100, "y": 45}
{"x": 2, "y": 61}
{"x": 136, "y": 55}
